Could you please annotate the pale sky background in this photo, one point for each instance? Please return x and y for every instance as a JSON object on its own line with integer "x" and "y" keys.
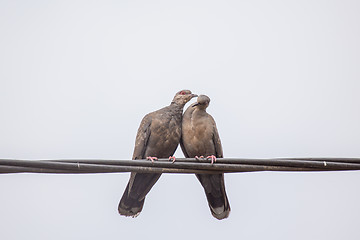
{"x": 76, "y": 78}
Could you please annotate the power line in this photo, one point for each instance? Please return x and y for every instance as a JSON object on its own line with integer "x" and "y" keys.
{"x": 181, "y": 165}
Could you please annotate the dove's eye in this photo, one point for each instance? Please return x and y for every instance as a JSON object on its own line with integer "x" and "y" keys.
{"x": 182, "y": 93}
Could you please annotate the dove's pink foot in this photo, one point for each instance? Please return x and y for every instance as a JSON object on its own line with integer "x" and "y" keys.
{"x": 212, "y": 157}
{"x": 152, "y": 158}
{"x": 172, "y": 158}
{"x": 198, "y": 158}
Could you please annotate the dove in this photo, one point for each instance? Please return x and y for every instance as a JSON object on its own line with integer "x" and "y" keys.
{"x": 157, "y": 137}
{"x": 200, "y": 137}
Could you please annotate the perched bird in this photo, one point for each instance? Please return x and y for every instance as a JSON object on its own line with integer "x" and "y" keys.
{"x": 200, "y": 137}
{"x": 158, "y": 137}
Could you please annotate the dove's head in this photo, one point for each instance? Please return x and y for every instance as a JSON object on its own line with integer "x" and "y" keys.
{"x": 202, "y": 102}
{"x": 182, "y": 97}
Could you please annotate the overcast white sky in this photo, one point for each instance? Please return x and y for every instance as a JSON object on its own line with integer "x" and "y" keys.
{"x": 76, "y": 77}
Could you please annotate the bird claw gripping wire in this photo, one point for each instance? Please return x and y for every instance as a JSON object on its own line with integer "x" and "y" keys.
{"x": 172, "y": 159}
{"x": 152, "y": 158}
{"x": 212, "y": 157}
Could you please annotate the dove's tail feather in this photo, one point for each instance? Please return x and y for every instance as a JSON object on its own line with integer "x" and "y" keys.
{"x": 128, "y": 206}
{"x": 214, "y": 187}
{"x": 133, "y": 198}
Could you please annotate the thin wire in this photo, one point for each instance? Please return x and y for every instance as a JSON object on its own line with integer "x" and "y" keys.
{"x": 181, "y": 165}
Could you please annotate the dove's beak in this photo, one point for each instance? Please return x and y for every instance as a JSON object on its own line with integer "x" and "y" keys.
{"x": 193, "y": 95}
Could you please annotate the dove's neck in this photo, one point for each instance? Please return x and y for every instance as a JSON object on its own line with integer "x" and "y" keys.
{"x": 176, "y": 105}
{"x": 199, "y": 112}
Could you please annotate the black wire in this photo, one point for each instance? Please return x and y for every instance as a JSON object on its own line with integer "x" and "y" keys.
{"x": 181, "y": 165}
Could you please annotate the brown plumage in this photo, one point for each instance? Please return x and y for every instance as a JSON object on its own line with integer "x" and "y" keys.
{"x": 158, "y": 136}
{"x": 200, "y": 137}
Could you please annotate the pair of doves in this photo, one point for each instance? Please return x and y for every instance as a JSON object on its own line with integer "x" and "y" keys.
{"x": 158, "y": 136}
